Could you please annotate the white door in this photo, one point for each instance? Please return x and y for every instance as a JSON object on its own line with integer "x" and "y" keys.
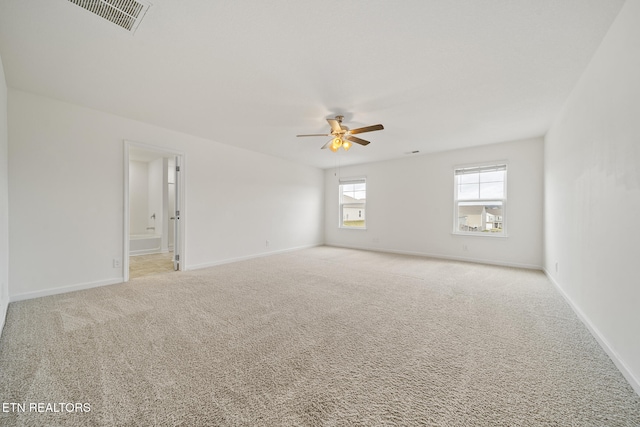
{"x": 176, "y": 223}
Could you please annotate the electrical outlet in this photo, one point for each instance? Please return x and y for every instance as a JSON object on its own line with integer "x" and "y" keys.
{"x": 465, "y": 247}
{"x": 376, "y": 240}
{"x": 556, "y": 266}
{"x": 117, "y": 263}
{"x": 266, "y": 243}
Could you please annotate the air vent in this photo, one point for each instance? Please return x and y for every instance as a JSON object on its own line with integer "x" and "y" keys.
{"x": 125, "y": 13}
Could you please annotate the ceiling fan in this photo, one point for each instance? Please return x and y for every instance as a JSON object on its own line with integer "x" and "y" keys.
{"x": 343, "y": 136}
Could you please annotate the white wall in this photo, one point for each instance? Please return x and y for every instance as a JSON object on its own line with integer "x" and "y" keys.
{"x": 171, "y": 201}
{"x": 4, "y": 202}
{"x": 138, "y": 196}
{"x": 592, "y": 194}
{"x": 66, "y": 197}
{"x": 422, "y": 186}
{"x": 156, "y": 196}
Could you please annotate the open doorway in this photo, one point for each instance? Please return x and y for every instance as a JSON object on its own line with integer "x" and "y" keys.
{"x": 153, "y": 242}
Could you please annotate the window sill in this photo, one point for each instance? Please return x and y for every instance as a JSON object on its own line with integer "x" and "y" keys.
{"x": 352, "y": 228}
{"x": 481, "y": 234}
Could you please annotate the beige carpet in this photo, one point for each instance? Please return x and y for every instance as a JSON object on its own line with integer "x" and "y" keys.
{"x": 323, "y": 336}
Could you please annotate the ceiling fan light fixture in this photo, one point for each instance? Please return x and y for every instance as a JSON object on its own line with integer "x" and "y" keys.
{"x": 338, "y": 131}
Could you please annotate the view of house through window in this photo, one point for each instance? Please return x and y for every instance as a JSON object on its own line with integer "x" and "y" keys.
{"x": 480, "y": 199}
{"x": 353, "y": 197}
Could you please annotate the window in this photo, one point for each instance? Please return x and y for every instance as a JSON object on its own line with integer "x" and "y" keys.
{"x": 353, "y": 198}
{"x": 481, "y": 200}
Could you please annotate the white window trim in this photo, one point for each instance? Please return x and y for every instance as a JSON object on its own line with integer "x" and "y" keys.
{"x": 341, "y": 182}
{"x": 505, "y": 216}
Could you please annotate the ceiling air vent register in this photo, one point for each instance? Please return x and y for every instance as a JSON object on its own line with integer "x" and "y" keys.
{"x": 125, "y": 13}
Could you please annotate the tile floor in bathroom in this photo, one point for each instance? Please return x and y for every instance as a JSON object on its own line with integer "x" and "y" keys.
{"x": 146, "y": 265}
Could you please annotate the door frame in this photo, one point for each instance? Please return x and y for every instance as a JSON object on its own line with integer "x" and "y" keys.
{"x": 179, "y": 241}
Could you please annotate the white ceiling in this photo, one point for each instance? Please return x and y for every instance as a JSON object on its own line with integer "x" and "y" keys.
{"x": 438, "y": 74}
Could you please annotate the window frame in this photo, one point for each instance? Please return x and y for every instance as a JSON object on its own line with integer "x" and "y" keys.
{"x": 480, "y": 167}
{"x": 341, "y": 205}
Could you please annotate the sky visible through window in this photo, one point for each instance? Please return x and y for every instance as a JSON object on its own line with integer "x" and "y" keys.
{"x": 484, "y": 185}
{"x": 355, "y": 191}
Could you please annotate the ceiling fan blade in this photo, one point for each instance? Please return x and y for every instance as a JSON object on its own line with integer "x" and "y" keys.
{"x": 327, "y": 144}
{"x": 366, "y": 129}
{"x": 316, "y": 134}
{"x": 335, "y": 125}
{"x": 356, "y": 140}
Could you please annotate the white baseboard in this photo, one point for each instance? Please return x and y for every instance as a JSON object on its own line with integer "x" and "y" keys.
{"x": 4, "y": 306}
{"x": 64, "y": 289}
{"x": 248, "y": 257}
{"x": 444, "y": 257}
{"x": 615, "y": 358}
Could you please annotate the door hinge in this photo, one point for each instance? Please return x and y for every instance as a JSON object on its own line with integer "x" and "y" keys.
{"x": 177, "y": 214}
{"x": 177, "y": 168}
{"x": 178, "y": 257}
